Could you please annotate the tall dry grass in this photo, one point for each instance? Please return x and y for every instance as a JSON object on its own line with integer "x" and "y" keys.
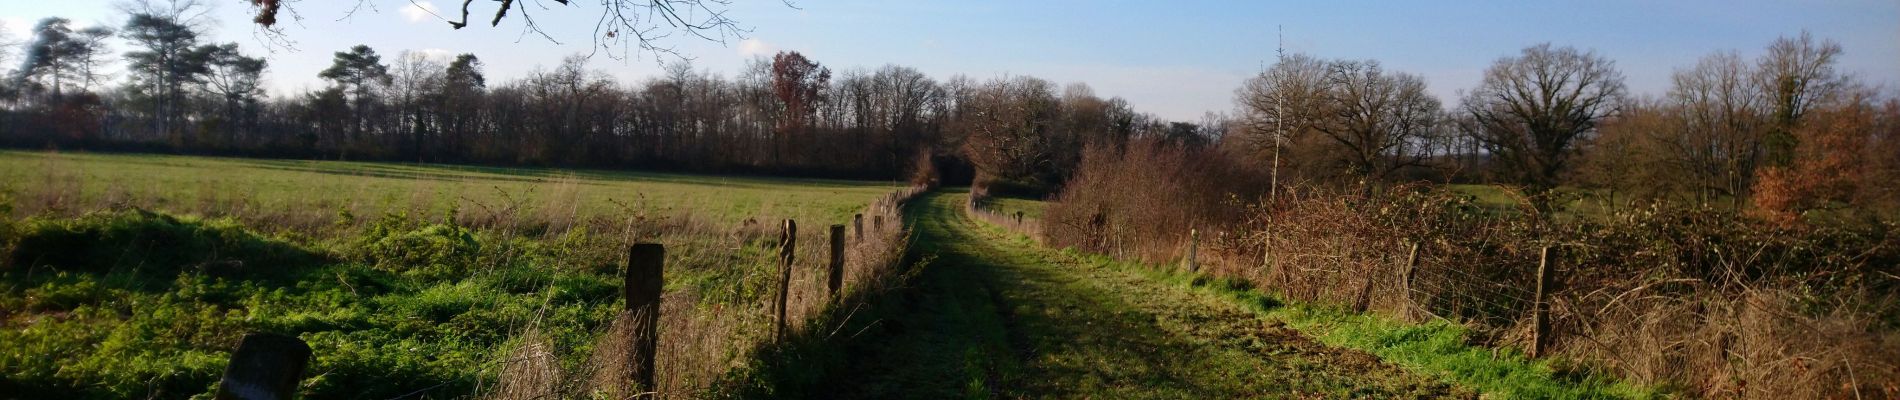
{"x": 1697, "y": 300}
{"x": 1707, "y": 302}
{"x": 979, "y": 206}
{"x": 702, "y": 343}
{"x": 1142, "y": 200}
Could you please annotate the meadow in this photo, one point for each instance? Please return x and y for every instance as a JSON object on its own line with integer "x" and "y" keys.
{"x": 135, "y": 275}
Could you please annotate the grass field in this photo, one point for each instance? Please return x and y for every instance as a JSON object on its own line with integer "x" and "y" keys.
{"x": 134, "y": 275}
{"x": 1438, "y": 351}
{"x": 1005, "y": 205}
{"x": 193, "y": 184}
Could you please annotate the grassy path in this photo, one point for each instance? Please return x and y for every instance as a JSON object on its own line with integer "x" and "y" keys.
{"x": 992, "y": 316}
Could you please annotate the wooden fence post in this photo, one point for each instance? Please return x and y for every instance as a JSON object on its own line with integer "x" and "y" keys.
{"x": 266, "y": 366}
{"x": 1019, "y": 218}
{"x": 788, "y": 241}
{"x": 646, "y": 278}
{"x": 1411, "y": 271}
{"x": 857, "y": 228}
{"x": 1194, "y": 244}
{"x": 836, "y": 281}
{"x": 877, "y": 223}
{"x": 1540, "y": 308}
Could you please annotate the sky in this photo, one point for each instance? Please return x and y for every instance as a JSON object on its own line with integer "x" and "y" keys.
{"x": 1175, "y": 59}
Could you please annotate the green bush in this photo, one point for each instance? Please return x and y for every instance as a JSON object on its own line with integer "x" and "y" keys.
{"x": 433, "y": 251}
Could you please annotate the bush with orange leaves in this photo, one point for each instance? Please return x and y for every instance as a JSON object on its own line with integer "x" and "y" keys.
{"x": 1836, "y": 165}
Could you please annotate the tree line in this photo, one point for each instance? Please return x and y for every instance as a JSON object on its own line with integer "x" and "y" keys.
{"x": 1785, "y": 131}
{"x": 784, "y": 115}
{"x": 1784, "y": 128}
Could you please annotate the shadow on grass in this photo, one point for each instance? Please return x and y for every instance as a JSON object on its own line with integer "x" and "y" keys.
{"x": 934, "y": 332}
{"x": 137, "y": 241}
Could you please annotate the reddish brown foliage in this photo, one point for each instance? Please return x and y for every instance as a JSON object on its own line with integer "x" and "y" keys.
{"x": 799, "y": 84}
{"x": 1141, "y": 201}
{"x": 1828, "y": 169}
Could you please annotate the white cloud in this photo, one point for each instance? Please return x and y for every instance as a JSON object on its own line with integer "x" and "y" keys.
{"x": 434, "y": 54}
{"x": 419, "y": 10}
{"x": 17, "y": 28}
{"x": 756, "y": 47}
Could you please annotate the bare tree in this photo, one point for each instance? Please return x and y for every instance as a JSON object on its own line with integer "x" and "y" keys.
{"x": 1383, "y": 121}
{"x": 624, "y": 25}
{"x": 412, "y": 77}
{"x": 1009, "y": 123}
{"x": 1797, "y": 73}
{"x": 1278, "y": 108}
{"x": 1530, "y": 110}
{"x": 1348, "y": 119}
{"x": 1630, "y": 157}
{"x": 1718, "y": 132}
{"x": 1287, "y": 95}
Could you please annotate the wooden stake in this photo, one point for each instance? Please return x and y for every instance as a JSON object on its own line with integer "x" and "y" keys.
{"x": 857, "y": 228}
{"x": 1411, "y": 271}
{"x": 646, "y": 279}
{"x": 788, "y": 241}
{"x": 836, "y": 281}
{"x": 266, "y": 366}
{"x": 1194, "y": 244}
{"x": 1540, "y": 312}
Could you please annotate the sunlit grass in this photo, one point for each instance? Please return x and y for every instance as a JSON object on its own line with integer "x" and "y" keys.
{"x": 131, "y": 276}
{"x": 182, "y": 183}
{"x": 1436, "y": 348}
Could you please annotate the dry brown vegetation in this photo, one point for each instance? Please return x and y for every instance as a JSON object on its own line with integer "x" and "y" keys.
{"x": 979, "y": 207}
{"x": 1700, "y": 301}
{"x": 702, "y": 345}
{"x": 1139, "y": 202}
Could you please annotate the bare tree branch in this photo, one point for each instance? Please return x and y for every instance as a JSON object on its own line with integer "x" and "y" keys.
{"x": 624, "y": 27}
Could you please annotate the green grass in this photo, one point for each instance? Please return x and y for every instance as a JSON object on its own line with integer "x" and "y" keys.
{"x": 1436, "y": 348}
{"x": 993, "y": 315}
{"x": 1578, "y": 203}
{"x": 100, "y": 301}
{"x": 1031, "y": 208}
{"x": 1490, "y": 196}
{"x": 186, "y": 183}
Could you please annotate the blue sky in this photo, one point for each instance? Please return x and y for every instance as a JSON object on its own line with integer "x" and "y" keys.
{"x": 1176, "y": 59}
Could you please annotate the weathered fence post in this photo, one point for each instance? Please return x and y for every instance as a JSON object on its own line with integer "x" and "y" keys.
{"x": 857, "y": 228}
{"x": 266, "y": 366}
{"x": 877, "y": 223}
{"x": 646, "y": 278}
{"x": 1194, "y": 243}
{"x": 1364, "y": 301}
{"x": 788, "y": 241}
{"x": 1019, "y": 218}
{"x": 1540, "y": 308}
{"x": 1411, "y": 271}
{"x": 836, "y": 281}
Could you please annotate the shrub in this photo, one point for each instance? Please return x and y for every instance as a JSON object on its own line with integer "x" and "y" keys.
{"x": 1707, "y": 300}
{"x": 433, "y": 251}
{"x": 1141, "y": 200}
